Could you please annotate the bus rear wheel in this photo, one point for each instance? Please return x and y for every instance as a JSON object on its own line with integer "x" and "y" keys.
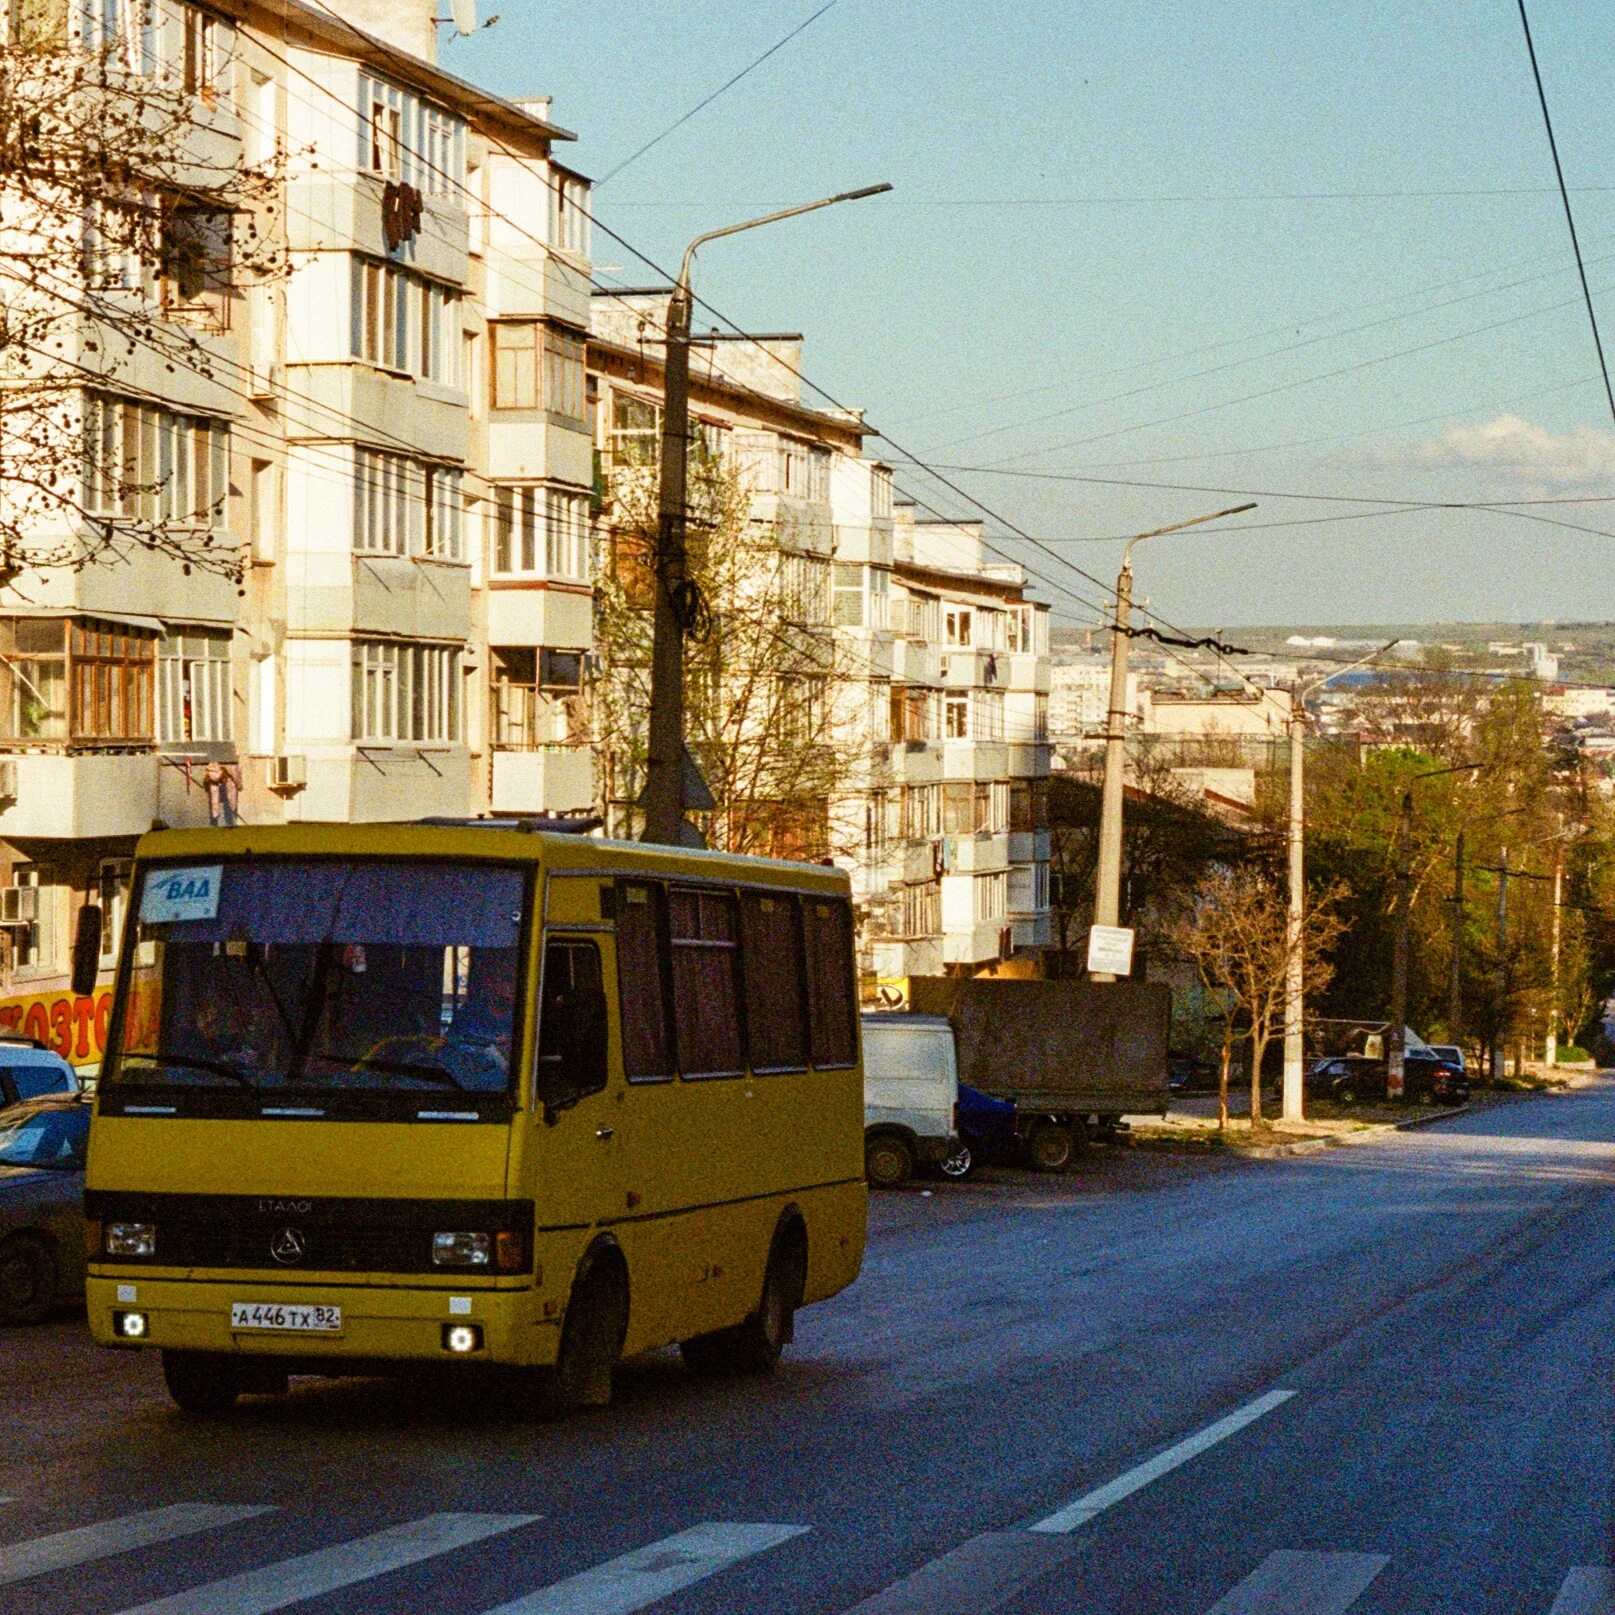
{"x": 201, "y": 1381}
{"x": 755, "y": 1346}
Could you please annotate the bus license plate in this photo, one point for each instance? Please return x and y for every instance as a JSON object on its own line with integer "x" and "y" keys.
{"x": 286, "y": 1317}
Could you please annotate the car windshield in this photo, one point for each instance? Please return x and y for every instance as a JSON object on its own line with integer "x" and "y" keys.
{"x": 280, "y": 974}
{"x": 47, "y": 1140}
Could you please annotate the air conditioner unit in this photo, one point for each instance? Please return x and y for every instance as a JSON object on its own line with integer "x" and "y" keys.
{"x": 288, "y": 774}
{"x": 8, "y": 779}
{"x": 19, "y": 905}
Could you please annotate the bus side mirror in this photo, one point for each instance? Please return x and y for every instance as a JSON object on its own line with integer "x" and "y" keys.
{"x": 572, "y": 1049}
{"x": 87, "y": 950}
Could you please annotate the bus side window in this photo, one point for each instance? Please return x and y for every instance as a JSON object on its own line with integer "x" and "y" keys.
{"x": 772, "y": 972}
{"x": 832, "y": 981}
{"x": 572, "y": 1025}
{"x": 642, "y": 983}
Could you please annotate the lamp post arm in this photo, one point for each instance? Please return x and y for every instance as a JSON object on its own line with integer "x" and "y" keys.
{"x": 771, "y": 218}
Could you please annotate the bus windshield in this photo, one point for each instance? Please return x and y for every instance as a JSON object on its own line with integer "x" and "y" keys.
{"x": 322, "y": 975}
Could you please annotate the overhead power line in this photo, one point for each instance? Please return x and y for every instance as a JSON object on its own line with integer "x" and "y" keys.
{"x": 1570, "y": 217}
{"x": 707, "y": 100}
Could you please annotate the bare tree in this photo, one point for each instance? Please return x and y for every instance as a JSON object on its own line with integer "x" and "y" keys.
{"x": 128, "y": 221}
{"x": 1236, "y": 932}
{"x": 772, "y": 704}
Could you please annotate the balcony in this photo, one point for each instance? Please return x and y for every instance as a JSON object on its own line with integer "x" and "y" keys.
{"x": 1029, "y": 846}
{"x": 975, "y": 759}
{"x": 67, "y": 796}
{"x": 983, "y": 852}
{"x": 965, "y": 669}
{"x": 551, "y": 779}
{"x": 914, "y": 661}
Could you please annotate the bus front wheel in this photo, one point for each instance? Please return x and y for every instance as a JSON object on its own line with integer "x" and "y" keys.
{"x": 591, "y": 1342}
{"x": 201, "y": 1381}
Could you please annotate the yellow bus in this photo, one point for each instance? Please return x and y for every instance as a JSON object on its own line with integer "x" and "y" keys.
{"x": 396, "y": 1094}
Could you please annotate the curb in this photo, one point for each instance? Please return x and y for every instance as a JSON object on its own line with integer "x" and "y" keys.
{"x": 1379, "y": 1130}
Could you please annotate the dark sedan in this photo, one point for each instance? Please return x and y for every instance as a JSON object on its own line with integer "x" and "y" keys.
{"x": 42, "y": 1146}
{"x": 1352, "y": 1079}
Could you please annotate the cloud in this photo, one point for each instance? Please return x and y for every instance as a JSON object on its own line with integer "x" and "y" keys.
{"x": 1515, "y": 450}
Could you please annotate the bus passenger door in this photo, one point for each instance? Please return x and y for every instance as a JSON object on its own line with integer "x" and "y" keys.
{"x": 579, "y": 1108}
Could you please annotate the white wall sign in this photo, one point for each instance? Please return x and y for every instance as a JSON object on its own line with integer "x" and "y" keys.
{"x": 1110, "y": 950}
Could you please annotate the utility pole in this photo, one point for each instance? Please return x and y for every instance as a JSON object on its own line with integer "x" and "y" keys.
{"x": 1394, "y": 1067}
{"x": 664, "y": 769}
{"x": 1455, "y": 981}
{"x": 1501, "y": 1020}
{"x": 1551, "y": 1049}
{"x": 1108, "y": 875}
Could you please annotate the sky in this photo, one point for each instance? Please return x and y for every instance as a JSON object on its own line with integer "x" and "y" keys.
{"x": 1197, "y": 254}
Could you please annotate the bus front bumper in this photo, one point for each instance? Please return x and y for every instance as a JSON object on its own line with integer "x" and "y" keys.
{"x": 322, "y": 1322}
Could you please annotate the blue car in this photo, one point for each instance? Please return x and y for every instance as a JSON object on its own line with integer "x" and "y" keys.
{"x": 986, "y": 1128}
{"x": 42, "y": 1145}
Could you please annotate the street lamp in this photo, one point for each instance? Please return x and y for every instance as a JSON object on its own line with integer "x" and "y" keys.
{"x": 1108, "y": 877}
{"x": 664, "y": 771}
{"x": 1294, "y": 962}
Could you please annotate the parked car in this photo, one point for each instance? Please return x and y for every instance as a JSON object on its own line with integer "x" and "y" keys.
{"x": 1452, "y": 1054}
{"x": 42, "y": 1148}
{"x": 911, "y": 1091}
{"x": 1352, "y": 1078}
{"x": 28, "y": 1070}
{"x": 987, "y": 1132}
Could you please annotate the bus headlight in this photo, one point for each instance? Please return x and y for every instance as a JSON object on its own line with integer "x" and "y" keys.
{"x": 461, "y": 1250}
{"x": 131, "y": 1239}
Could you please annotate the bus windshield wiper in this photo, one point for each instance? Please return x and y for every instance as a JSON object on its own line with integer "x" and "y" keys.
{"x": 195, "y": 1062}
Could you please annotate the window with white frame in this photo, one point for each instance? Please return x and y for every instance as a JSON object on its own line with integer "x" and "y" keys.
{"x": 406, "y": 138}
{"x": 152, "y": 465}
{"x": 794, "y": 467}
{"x": 987, "y": 717}
{"x": 390, "y": 514}
{"x": 880, "y": 491}
{"x": 818, "y": 486}
{"x": 805, "y": 588}
{"x": 445, "y": 514}
{"x": 569, "y": 213}
{"x": 878, "y": 607}
{"x": 541, "y": 532}
{"x": 998, "y": 814}
{"x": 956, "y": 716}
{"x": 922, "y": 618}
{"x": 922, "y": 811}
{"x": 1040, "y": 886}
{"x": 956, "y": 626}
{"x": 37, "y": 949}
{"x": 635, "y": 430}
{"x": 992, "y": 896}
{"x": 404, "y": 322}
{"x": 564, "y": 375}
{"x": 922, "y": 908}
{"x": 202, "y": 51}
{"x": 121, "y": 30}
{"x": 407, "y": 692}
{"x": 193, "y": 686}
{"x": 989, "y": 629}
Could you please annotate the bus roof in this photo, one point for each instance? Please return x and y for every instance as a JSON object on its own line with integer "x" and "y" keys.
{"x": 503, "y": 842}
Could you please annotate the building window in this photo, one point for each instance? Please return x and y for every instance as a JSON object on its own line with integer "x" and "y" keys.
{"x": 922, "y": 908}
{"x": 109, "y": 682}
{"x": 404, "y": 138}
{"x": 1040, "y": 887}
{"x": 33, "y": 675}
{"x": 406, "y": 692}
{"x": 535, "y": 697}
{"x": 794, "y": 467}
{"x": 880, "y": 492}
{"x": 922, "y": 809}
{"x": 956, "y": 716}
{"x": 515, "y": 364}
{"x": 153, "y": 466}
{"x": 200, "y": 61}
{"x": 38, "y": 948}
{"x": 402, "y": 322}
{"x": 921, "y": 619}
{"x": 849, "y": 595}
{"x": 564, "y": 375}
{"x": 818, "y": 486}
{"x": 390, "y": 509}
{"x": 956, "y": 624}
{"x": 445, "y": 514}
{"x": 193, "y": 686}
{"x": 541, "y": 532}
{"x": 569, "y": 213}
{"x": 992, "y": 896}
{"x": 988, "y": 717}
{"x": 635, "y": 430}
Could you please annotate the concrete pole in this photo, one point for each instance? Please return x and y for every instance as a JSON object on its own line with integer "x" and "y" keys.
{"x": 1501, "y": 1031}
{"x": 1395, "y": 1048}
{"x": 1551, "y": 1050}
{"x": 1455, "y": 981}
{"x": 1108, "y": 877}
{"x": 1295, "y": 920}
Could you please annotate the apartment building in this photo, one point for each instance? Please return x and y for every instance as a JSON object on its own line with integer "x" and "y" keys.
{"x": 389, "y": 427}
{"x": 967, "y": 887}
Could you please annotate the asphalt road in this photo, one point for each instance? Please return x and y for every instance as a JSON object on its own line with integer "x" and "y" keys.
{"x": 1375, "y": 1379}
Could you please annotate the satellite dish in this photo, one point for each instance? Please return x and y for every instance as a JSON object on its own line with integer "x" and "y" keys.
{"x": 464, "y": 13}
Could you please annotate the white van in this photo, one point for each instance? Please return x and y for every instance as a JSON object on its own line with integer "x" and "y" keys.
{"x": 911, "y": 1089}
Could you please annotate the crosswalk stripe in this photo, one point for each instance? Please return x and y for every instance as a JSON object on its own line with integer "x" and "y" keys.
{"x": 290, "y": 1581}
{"x": 20, "y": 1560}
{"x": 1587, "y": 1590}
{"x": 644, "y": 1577}
{"x": 1290, "y": 1583}
{"x": 980, "y": 1575}
{"x": 1095, "y": 1502}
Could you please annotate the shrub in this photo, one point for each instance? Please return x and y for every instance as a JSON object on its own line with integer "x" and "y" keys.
{"x": 1571, "y": 1055}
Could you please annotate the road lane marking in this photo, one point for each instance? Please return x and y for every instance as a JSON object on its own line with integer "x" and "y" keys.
{"x": 636, "y": 1580}
{"x": 1097, "y": 1501}
{"x": 1587, "y": 1590}
{"x": 1289, "y": 1583}
{"x": 19, "y": 1560}
{"x": 256, "y": 1592}
{"x": 980, "y": 1575}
